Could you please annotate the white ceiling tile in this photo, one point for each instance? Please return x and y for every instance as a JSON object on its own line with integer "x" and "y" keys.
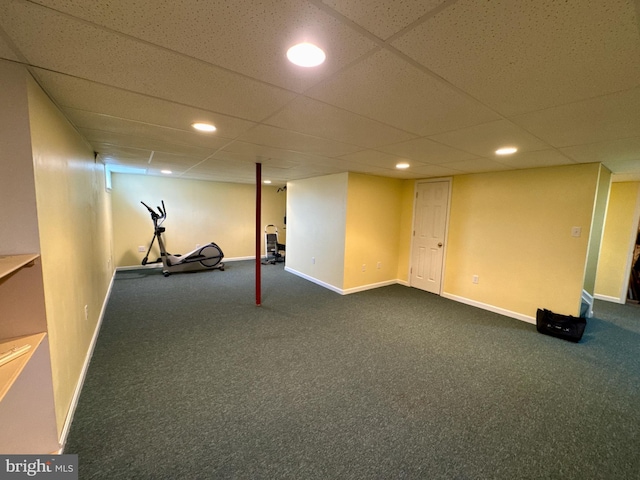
{"x": 420, "y": 103}
{"x": 86, "y": 51}
{"x": 608, "y": 117}
{"x": 477, "y": 165}
{"x": 375, "y": 158}
{"x": 97, "y": 122}
{"x": 429, "y": 171}
{"x": 84, "y": 95}
{"x": 428, "y": 151}
{"x": 540, "y": 158}
{"x": 243, "y": 36}
{"x": 6, "y": 51}
{"x": 623, "y": 150}
{"x": 100, "y": 138}
{"x": 309, "y": 116}
{"x": 381, "y": 17}
{"x": 290, "y": 140}
{"x": 524, "y": 56}
{"x": 485, "y": 139}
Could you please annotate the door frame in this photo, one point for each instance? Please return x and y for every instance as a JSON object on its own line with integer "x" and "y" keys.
{"x": 446, "y": 226}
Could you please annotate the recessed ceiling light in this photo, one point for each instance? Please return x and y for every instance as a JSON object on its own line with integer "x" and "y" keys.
{"x": 402, "y": 165}
{"x": 306, "y": 55}
{"x": 267, "y": 182}
{"x": 204, "y": 127}
{"x": 166, "y": 172}
{"x": 506, "y": 150}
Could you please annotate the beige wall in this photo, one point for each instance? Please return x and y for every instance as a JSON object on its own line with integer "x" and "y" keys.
{"x": 316, "y": 220}
{"x": 621, "y": 226}
{"x": 198, "y": 212}
{"x": 513, "y": 230}
{"x": 74, "y": 226}
{"x": 19, "y": 232}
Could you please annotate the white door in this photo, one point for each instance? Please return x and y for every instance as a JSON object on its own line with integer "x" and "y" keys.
{"x": 430, "y": 222}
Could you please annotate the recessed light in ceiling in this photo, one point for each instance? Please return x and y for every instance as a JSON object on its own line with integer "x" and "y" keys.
{"x": 204, "y": 127}
{"x": 306, "y": 55}
{"x": 267, "y": 182}
{"x": 166, "y": 172}
{"x": 506, "y": 151}
{"x": 402, "y": 165}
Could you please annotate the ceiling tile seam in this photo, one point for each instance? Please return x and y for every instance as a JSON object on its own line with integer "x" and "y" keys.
{"x": 427, "y": 16}
{"x": 575, "y": 102}
{"x": 180, "y": 144}
{"x": 155, "y": 125}
{"x": 159, "y": 47}
{"x": 632, "y": 137}
{"x": 320, "y": 82}
{"x": 12, "y": 46}
{"x": 134, "y": 92}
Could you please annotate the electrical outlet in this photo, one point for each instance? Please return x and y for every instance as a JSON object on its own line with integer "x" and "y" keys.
{"x": 141, "y": 248}
{"x": 475, "y": 279}
{"x": 379, "y": 265}
{"x": 576, "y": 231}
{"x": 364, "y": 267}
{"x": 86, "y": 313}
{"x": 313, "y": 260}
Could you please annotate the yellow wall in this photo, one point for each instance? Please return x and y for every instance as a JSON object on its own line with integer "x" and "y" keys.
{"x": 198, "y": 212}
{"x": 620, "y": 232}
{"x": 513, "y": 230}
{"x": 316, "y": 218}
{"x": 75, "y": 231}
{"x": 373, "y": 230}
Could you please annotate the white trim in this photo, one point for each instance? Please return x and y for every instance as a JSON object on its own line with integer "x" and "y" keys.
{"x": 314, "y": 280}
{"x": 348, "y": 291}
{"x": 83, "y": 373}
{"x": 370, "y": 286}
{"x": 491, "y": 308}
{"x": 588, "y": 299}
{"x": 608, "y": 298}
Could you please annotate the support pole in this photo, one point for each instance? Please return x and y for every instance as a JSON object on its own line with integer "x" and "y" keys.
{"x": 258, "y": 231}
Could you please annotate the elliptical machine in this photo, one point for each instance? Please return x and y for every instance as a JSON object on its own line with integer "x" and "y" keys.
{"x": 202, "y": 258}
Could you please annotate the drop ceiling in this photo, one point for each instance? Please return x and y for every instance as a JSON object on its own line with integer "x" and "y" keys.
{"x": 440, "y": 84}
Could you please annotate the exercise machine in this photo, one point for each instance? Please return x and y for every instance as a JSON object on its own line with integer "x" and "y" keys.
{"x": 205, "y": 257}
{"x": 274, "y": 249}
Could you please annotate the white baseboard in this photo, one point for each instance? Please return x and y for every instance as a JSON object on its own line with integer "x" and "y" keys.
{"x": 370, "y": 286}
{"x": 608, "y": 298}
{"x": 347, "y": 291}
{"x": 491, "y": 308}
{"x": 87, "y": 360}
{"x": 314, "y": 280}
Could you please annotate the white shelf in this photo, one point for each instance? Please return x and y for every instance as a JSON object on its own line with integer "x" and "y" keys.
{"x": 10, "y": 371}
{"x": 11, "y": 263}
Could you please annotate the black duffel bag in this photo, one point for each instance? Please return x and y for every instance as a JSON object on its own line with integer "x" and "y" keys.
{"x": 560, "y": 326}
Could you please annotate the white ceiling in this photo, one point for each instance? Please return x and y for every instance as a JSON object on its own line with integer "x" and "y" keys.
{"x": 438, "y": 83}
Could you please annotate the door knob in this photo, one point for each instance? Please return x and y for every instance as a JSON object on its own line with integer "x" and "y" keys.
{"x": 439, "y": 244}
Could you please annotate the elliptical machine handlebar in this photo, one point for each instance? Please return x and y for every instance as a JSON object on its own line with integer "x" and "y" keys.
{"x": 157, "y": 216}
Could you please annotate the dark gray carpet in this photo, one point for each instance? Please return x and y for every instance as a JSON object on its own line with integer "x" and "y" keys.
{"x": 190, "y": 380}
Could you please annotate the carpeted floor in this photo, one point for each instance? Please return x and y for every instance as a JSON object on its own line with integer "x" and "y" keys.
{"x": 190, "y": 380}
